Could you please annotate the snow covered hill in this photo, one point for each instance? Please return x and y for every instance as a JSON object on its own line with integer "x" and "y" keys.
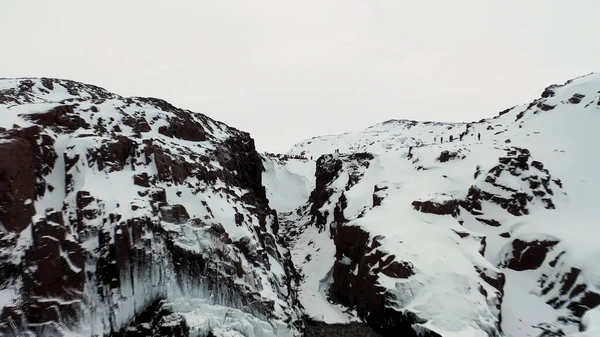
{"x": 489, "y": 237}
{"x": 128, "y": 216}
{"x": 131, "y": 217}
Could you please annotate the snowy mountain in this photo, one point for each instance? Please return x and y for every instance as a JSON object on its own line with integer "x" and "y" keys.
{"x": 492, "y": 234}
{"x": 127, "y": 216}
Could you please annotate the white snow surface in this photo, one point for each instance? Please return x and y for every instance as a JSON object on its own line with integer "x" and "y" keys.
{"x": 289, "y": 182}
{"x": 557, "y": 130}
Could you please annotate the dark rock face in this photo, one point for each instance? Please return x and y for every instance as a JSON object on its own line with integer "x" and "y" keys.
{"x": 119, "y": 253}
{"x": 113, "y": 155}
{"x": 355, "y": 249}
{"x": 446, "y": 156}
{"x": 519, "y": 165}
{"x": 546, "y": 107}
{"x": 17, "y": 184}
{"x": 528, "y": 255}
{"x": 327, "y": 170}
{"x": 54, "y": 279}
{"x": 576, "y": 98}
{"x": 361, "y": 260}
{"x": 379, "y": 194}
{"x": 247, "y": 163}
{"x": 490, "y": 222}
{"x": 174, "y": 213}
{"x": 565, "y": 287}
{"x": 549, "y": 91}
{"x": 52, "y": 117}
{"x": 448, "y": 207}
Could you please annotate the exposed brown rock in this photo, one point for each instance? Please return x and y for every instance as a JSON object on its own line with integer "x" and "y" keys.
{"x": 129, "y": 250}
{"x": 361, "y": 289}
{"x": 113, "y": 155}
{"x": 17, "y": 184}
{"x": 186, "y": 129}
{"x": 174, "y": 213}
{"x": 546, "y": 107}
{"x": 142, "y": 179}
{"x": 447, "y": 155}
{"x": 83, "y": 200}
{"x": 138, "y": 124}
{"x": 576, "y": 98}
{"x": 379, "y": 194}
{"x": 448, "y": 207}
{"x": 528, "y": 255}
{"x": 327, "y": 169}
{"x": 55, "y": 284}
{"x": 490, "y": 222}
{"x": 52, "y": 116}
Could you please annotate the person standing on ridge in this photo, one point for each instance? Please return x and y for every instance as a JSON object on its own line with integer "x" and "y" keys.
{"x": 434, "y": 140}
{"x": 451, "y": 138}
{"x": 441, "y": 140}
{"x": 479, "y": 136}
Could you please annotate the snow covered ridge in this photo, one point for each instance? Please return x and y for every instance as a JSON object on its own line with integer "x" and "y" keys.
{"x": 131, "y": 215}
{"x": 492, "y": 234}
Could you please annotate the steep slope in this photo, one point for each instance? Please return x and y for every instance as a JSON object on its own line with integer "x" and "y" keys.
{"x": 128, "y": 216}
{"x": 487, "y": 237}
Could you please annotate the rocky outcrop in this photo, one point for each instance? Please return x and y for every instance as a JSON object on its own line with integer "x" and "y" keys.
{"x": 439, "y": 207}
{"x": 53, "y": 279}
{"x": 380, "y": 193}
{"x": 328, "y": 167}
{"x": 446, "y": 156}
{"x": 17, "y": 184}
{"x": 528, "y": 255}
{"x": 537, "y": 182}
{"x": 356, "y": 272}
{"x": 561, "y": 283}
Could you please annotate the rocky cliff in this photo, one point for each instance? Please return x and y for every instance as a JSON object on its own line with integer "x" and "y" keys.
{"x": 129, "y": 216}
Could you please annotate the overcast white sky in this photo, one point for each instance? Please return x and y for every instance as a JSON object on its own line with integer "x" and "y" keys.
{"x": 290, "y": 70}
